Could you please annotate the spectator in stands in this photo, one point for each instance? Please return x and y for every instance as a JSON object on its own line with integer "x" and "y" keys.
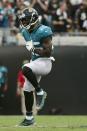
{"x": 74, "y": 5}
{"x": 1, "y": 14}
{"x": 42, "y": 8}
{"x": 12, "y": 2}
{"x": 7, "y": 13}
{"x": 81, "y": 17}
{"x": 10, "y": 39}
{"x": 52, "y": 8}
{"x": 61, "y": 20}
{"x": 3, "y": 86}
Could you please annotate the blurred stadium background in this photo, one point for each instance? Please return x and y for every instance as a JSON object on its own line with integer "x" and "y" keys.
{"x": 67, "y": 83}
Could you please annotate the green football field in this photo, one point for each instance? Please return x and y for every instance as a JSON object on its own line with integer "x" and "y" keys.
{"x": 45, "y": 123}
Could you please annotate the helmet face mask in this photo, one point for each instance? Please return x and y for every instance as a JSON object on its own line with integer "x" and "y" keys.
{"x": 25, "y": 21}
{"x": 28, "y": 19}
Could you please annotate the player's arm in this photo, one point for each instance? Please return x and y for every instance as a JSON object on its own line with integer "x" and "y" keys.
{"x": 26, "y": 35}
{"x": 47, "y": 47}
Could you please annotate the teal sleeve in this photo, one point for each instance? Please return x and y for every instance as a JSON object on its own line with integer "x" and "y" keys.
{"x": 25, "y": 34}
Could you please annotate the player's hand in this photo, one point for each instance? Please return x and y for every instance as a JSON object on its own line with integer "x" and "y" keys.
{"x": 29, "y": 45}
{"x": 38, "y": 1}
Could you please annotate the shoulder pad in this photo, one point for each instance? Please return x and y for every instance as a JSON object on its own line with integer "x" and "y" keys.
{"x": 45, "y": 31}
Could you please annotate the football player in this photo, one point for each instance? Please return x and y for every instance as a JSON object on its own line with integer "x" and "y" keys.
{"x": 39, "y": 42}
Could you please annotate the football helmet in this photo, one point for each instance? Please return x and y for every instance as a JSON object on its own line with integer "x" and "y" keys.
{"x": 28, "y": 18}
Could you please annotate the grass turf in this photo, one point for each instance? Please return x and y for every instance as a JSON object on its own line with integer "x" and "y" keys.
{"x": 45, "y": 123}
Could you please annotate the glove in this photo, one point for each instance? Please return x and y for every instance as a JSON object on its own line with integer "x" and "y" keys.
{"x": 29, "y": 46}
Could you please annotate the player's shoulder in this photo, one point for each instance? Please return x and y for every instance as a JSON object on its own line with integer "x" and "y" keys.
{"x": 45, "y": 30}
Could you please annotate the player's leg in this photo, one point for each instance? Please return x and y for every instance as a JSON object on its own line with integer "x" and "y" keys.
{"x": 35, "y": 111}
{"x": 29, "y": 100}
{"x": 41, "y": 67}
{"x": 32, "y": 72}
{"x": 33, "y": 78}
{"x": 30, "y": 75}
{"x": 40, "y": 96}
{"x": 23, "y": 109}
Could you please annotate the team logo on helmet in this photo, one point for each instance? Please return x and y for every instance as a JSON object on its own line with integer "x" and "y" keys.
{"x": 28, "y": 18}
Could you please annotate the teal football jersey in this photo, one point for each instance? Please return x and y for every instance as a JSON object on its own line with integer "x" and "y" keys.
{"x": 3, "y": 71}
{"x": 37, "y": 36}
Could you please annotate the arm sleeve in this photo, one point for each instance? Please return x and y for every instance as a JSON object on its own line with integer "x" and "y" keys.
{"x": 25, "y": 34}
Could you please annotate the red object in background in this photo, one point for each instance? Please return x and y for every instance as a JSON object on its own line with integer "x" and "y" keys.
{"x": 21, "y": 79}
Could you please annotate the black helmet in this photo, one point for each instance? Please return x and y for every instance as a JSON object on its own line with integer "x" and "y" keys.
{"x": 28, "y": 18}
